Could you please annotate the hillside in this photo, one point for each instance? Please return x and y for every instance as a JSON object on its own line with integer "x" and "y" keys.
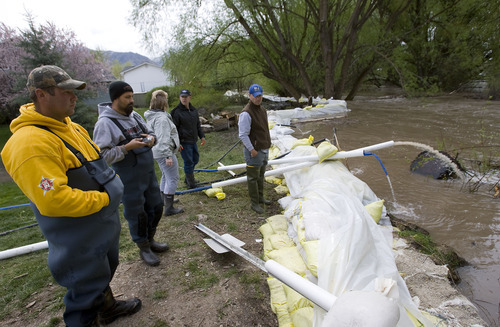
{"x": 134, "y": 58}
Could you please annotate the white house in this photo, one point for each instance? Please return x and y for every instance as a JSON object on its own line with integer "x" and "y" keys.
{"x": 145, "y": 77}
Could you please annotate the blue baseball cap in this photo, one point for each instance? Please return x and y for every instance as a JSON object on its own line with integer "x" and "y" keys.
{"x": 255, "y": 90}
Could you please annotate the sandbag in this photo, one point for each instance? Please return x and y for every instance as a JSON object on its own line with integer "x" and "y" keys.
{"x": 375, "y": 209}
{"x": 290, "y": 258}
{"x": 278, "y": 223}
{"x": 325, "y": 150}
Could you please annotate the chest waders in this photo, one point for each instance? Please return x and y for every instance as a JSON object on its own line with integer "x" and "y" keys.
{"x": 83, "y": 251}
{"x": 143, "y": 206}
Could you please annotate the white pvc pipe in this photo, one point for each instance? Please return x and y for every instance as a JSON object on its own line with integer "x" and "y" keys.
{"x": 268, "y": 173}
{"x": 23, "y": 250}
{"x": 378, "y": 146}
{"x": 314, "y": 158}
{"x": 313, "y": 292}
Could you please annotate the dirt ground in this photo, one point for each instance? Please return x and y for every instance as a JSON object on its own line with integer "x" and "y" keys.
{"x": 230, "y": 302}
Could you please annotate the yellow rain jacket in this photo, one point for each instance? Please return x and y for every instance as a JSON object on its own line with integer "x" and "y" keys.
{"x": 38, "y": 160}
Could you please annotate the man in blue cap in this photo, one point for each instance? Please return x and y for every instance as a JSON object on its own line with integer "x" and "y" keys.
{"x": 254, "y": 133}
{"x": 187, "y": 120}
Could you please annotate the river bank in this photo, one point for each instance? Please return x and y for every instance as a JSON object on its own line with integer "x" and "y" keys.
{"x": 195, "y": 287}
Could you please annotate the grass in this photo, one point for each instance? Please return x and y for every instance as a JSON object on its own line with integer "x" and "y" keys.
{"x": 23, "y": 277}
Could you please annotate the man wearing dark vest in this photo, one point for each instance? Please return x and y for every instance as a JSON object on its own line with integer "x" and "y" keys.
{"x": 125, "y": 142}
{"x": 74, "y": 194}
{"x": 254, "y": 133}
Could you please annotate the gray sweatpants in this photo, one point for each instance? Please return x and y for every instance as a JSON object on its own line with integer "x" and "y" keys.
{"x": 169, "y": 175}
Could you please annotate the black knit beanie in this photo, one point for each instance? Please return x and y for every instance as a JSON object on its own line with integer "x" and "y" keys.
{"x": 117, "y": 88}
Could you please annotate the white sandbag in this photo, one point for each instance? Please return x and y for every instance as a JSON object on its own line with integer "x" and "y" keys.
{"x": 363, "y": 309}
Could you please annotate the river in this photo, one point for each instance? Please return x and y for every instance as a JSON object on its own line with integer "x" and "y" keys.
{"x": 459, "y": 213}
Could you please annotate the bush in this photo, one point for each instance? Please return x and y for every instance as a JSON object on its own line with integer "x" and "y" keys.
{"x": 207, "y": 100}
{"x": 85, "y": 115}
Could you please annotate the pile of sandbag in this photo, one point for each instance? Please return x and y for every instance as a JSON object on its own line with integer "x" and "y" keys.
{"x": 334, "y": 232}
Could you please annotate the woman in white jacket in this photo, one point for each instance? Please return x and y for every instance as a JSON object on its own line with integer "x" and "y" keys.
{"x": 160, "y": 121}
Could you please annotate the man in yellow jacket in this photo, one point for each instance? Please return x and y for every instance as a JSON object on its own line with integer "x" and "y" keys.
{"x": 74, "y": 195}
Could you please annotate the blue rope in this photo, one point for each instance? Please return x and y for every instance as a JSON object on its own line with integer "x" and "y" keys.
{"x": 373, "y": 154}
{"x": 193, "y": 190}
{"x": 208, "y": 170}
{"x": 16, "y": 206}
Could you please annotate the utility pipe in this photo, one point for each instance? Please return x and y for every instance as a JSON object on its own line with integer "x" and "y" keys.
{"x": 314, "y": 158}
{"x": 23, "y": 250}
{"x": 268, "y": 173}
{"x": 313, "y": 292}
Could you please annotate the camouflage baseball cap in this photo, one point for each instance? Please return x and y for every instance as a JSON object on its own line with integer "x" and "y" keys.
{"x": 47, "y": 76}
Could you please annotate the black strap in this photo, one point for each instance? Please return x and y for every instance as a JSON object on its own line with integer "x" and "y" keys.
{"x": 124, "y": 130}
{"x": 77, "y": 153}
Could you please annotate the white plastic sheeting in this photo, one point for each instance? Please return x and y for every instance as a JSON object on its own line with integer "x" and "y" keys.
{"x": 326, "y": 204}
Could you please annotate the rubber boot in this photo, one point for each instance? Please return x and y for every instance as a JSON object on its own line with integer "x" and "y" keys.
{"x": 112, "y": 308}
{"x": 176, "y": 200}
{"x": 253, "y": 188}
{"x": 169, "y": 206}
{"x": 186, "y": 180}
{"x": 147, "y": 255}
{"x": 190, "y": 181}
{"x": 155, "y": 246}
{"x": 260, "y": 181}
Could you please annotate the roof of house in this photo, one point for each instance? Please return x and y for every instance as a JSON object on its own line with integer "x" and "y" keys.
{"x": 138, "y": 66}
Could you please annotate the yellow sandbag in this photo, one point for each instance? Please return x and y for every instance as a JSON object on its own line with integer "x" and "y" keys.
{"x": 273, "y": 180}
{"x": 274, "y": 151}
{"x": 215, "y": 192}
{"x": 266, "y": 230}
{"x": 303, "y": 317}
{"x": 311, "y": 250}
{"x": 326, "y": 150}
{"x": 280, "y": 240}
{"x": 295, "y": 300}
{"x": 290, "y": 258}
{"x": 308, "y": 107}
{"x": 300, "y": 142}
{"x": 375, "y": 209}
{"x": 282, "y": 189}
{"x": 279, "y": 302}
{"x": 278, "y": 295}
{"x": 278, "y": 223}
{"x": 271, "y": 124}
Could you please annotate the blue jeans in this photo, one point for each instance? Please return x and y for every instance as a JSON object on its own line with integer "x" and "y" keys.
{"x": 190, "y": 156}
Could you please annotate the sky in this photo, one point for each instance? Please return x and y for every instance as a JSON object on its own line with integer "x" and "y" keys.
{"x": 98, "y": 24}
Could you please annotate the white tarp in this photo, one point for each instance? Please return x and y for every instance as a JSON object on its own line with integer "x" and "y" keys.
{"x": 326, "y": 204}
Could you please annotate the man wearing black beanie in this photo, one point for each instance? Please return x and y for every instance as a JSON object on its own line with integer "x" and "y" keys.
{"x": 125, "y": 142}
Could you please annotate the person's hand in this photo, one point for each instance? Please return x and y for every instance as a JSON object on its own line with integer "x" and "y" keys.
{"x": 134, "y": 144}
{"x": 181, "y": 148}
{"x": 169, "y": 162}
{"x": 202, "y": 141}
{"x": 151, "y": 142}
{"x": 253, "y": 153}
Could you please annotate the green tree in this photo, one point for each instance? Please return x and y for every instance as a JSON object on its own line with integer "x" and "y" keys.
{"x": 330, "y": 47}
{"x": 117, "y": 68}
{"x": 46, "y": 45}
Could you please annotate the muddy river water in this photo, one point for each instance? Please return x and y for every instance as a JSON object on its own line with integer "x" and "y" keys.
{"x": 462, "y": 213}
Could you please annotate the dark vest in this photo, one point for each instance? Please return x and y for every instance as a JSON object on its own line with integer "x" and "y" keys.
{"x": 259, "y": 128}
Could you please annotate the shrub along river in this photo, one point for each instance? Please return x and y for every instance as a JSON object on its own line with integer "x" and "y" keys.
{"x": 461, "y": 213}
